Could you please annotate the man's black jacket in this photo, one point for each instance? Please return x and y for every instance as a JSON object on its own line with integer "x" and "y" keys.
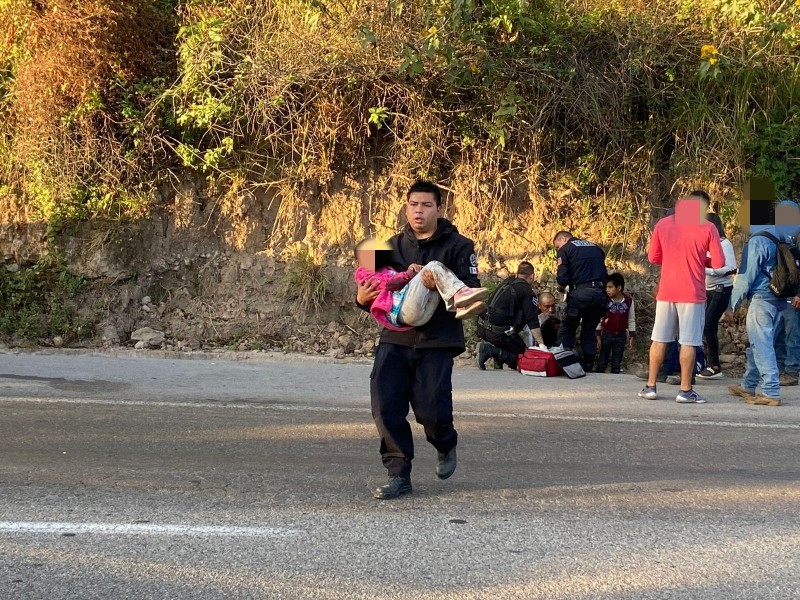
{"x": 514, "y": 310}
{"x": 455, "y": 252}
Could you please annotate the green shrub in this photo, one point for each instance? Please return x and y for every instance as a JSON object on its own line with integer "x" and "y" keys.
{"x": 42, "y": 301}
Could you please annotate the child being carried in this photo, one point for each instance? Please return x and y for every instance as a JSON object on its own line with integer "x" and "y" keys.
{"x": 404, "y": 302}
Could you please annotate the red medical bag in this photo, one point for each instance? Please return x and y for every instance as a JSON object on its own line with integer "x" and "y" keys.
{"x": 538, "y": 362}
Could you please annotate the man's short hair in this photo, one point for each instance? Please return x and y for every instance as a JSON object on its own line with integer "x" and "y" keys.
{"x": 544, "y": 295}
{"x": 562, "y": 234}
{"x": 426, "y": 187}
{"x": 525, "y": 269}
{"x": 700, "y": 194}
{"x": 617, "y": 279}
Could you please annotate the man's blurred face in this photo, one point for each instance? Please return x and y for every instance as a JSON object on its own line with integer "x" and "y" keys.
{"x": 422, "y": 213}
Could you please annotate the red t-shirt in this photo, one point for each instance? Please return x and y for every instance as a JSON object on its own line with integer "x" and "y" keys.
{"x": 681, "y": 249}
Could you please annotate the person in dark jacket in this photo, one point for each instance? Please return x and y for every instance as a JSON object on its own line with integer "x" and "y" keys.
{"x": 513, "y": 305}
{"x": 582, "y": 268}
{"x": 414, "y": 368}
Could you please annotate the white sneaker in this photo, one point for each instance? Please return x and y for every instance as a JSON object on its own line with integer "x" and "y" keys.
{"x": 690, "y": 397}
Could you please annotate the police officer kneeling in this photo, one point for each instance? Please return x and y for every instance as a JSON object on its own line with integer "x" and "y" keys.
{"x": 513, "y": 305}
{"x": 582, "y": 268}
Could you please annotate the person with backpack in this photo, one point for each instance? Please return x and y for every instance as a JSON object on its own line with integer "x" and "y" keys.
{"x": 768, "y": 278}
{"x": 512, "y": 306}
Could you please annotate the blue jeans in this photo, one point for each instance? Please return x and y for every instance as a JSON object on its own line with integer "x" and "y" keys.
{"x": 787, "y": 343}
{"x": 763, "y": 319}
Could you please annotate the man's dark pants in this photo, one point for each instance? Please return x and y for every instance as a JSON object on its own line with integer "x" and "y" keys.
{"x": 585, "y": 308}
{"x": 611, "y": 345}
{"x": 510, "y": 343}
{"x": 422, "y": 379}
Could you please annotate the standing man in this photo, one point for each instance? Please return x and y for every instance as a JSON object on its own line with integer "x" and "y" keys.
{"x": 759, "y": 261}
{"x": 414, "y": 368}
{"x": 582, "y": 267}
{"x": 512, "y": 307}
{"x": 680, "y": 244}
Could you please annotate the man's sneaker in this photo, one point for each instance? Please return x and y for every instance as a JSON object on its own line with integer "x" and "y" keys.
{"x": 397, "y": 486}
{"x": 690, "y": 397}
{"x": 787, "y": 379}
{"x": 473, "y": 309}
{"x": 648, "y": 392}
{"x": 737, "y": 390}
{"x": 467, "y": 296}
{"x": 711, "y": 373}
{"x": 646, "y": 375}
{"x": 763, "y": 400}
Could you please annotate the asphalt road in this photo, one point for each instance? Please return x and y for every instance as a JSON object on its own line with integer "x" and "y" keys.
{"x": 166, "y": 478}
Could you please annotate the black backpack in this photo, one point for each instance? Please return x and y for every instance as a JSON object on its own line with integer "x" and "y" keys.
{"x": 785, "y": 279}
{"x": 494, "y": 308}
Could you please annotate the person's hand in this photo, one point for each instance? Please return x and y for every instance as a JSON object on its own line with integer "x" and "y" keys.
{"x": 367, "y": 291}
{"x": 599, "y": 342}
{"x": 414, "y": 267}
{"x": 727, "y": 316}
{"x": 630, "y": 342}
{"x": 428, "y": 280}
{"x": 796, "y": 301}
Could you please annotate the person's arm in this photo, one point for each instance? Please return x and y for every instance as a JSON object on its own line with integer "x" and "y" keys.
{"x": 399, "y": 281}
{"x": 466, "y": 264}
{"x": 632, "y": 319}
{"x": 367, "y": 291}
{"x": 717, "y": 255}
{"x": 631, "y": 324}
{"x": 754, "y": 256}
{"x": 654, "y": 253}
{"x": 563, "y": 271}
{"x": 730, "y": 261}
{"x": 530, "y": 316}
{"x": 368, "y": 288}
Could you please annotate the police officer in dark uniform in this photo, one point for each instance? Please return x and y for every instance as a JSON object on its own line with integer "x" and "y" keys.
{"x": 581, "y": 268}
{"x": 415, "y": 367}
{"x": 513, "y": 305}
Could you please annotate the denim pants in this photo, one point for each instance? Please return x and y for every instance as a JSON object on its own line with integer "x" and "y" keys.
{"x": 611, "y": 345}
{"x": 787, "y": 342}
{"x": 763, "y": 319}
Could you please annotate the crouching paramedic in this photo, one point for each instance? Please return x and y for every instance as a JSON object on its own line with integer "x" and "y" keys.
{"x": 512, "y": 306}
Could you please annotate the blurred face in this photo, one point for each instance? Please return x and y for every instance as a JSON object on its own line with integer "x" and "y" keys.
{"x": 612, "y": 290}
{"x": 422, "y": 213}
{"x": 366, "y": 259}
{"x": 547, "y": 305}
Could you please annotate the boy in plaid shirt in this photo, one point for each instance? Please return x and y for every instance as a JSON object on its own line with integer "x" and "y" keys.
{"x": 618, "y": 326}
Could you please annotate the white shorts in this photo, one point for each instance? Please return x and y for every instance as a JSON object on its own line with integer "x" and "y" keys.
{"x": 681, "y": 320}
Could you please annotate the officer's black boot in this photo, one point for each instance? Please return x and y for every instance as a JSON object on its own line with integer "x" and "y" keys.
{"x": 484, "y": 353}
{"x": 504, "y": 356}
{"x": 397, "y": 486}
{"x": 588, "y": 362}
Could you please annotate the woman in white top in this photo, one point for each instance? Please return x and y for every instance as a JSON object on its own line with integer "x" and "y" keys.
{"x": 719, "y": 284}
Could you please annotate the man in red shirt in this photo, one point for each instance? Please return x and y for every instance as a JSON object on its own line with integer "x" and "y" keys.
{"x": 680, "y": 244}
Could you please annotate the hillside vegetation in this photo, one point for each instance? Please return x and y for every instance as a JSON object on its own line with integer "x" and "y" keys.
{"x": 534, "y": 115}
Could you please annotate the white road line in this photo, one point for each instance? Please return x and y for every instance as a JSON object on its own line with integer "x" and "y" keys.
{"x": 356, "y": 409}
{"x": 46, "y": 527}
